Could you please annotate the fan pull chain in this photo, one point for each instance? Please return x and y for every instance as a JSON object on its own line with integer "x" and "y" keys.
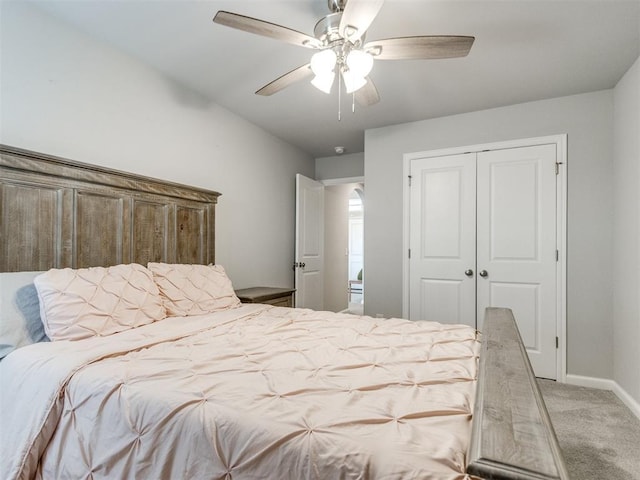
{"x": 353, "y": 103}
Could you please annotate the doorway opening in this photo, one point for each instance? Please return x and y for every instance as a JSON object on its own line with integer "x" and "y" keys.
{"x": 356, "y": 251}
{"x": 343, "y": 245}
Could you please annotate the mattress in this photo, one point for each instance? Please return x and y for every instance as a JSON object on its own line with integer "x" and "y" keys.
{"x": 252, "y": 392}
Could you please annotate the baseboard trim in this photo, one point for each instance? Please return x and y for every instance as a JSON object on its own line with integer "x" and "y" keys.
{"x": 606, "y": 384}
{"x": 591, "y": 382}
{"x": 627, "y": 399}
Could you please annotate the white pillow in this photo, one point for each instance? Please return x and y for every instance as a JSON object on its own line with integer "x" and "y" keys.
{"x": 194, "y": 289}
{"x": 97, "y": 301}
{"x": 20, "y": 323}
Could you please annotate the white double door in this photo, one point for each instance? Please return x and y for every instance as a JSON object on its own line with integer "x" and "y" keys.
{"x": 483, "y": 233}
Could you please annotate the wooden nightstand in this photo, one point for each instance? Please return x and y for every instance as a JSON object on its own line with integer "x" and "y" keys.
{"x": 280, "y": 297}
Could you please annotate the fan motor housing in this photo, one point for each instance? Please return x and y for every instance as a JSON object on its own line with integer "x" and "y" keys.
{"x": 327, "y": 28}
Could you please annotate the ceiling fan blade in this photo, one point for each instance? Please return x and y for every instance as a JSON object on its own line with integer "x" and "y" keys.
{"x": 424, "y": 47}
{"x": 285, "y": 80}
{"x": 266, "y": 29}
{"x": 357, "y": 17}
{"x": 367, "y": 95}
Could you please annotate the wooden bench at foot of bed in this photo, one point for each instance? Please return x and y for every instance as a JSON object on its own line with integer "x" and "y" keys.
{"x": 512, "y": 436}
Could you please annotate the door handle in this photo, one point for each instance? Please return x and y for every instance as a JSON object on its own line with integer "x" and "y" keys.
{"x": 483, "y": 273}
{"x": 468, "y": 273}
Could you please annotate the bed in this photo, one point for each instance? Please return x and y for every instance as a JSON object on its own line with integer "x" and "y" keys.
{"x": 181, "y": 380}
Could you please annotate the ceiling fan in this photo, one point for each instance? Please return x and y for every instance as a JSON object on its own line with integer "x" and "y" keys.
{"x": 339, "y": 39}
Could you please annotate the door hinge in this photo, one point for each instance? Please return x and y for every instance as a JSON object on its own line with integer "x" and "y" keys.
{"x": 409, "y": 178}
{"x": 557, "y": 255}
{"x": 558, "y": 167}
{"x": 409, "y": 253}
{"x": 557, "y": 342}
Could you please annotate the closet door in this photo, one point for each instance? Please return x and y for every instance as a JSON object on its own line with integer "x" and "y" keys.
{"x": 516, "y": 246}
{"x": 443, "y": 239}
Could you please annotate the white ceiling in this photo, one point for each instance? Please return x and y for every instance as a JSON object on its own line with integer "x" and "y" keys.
{"x": 524, "y": 50}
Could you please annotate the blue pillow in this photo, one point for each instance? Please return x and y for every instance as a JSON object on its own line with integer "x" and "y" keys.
{"x": 20, "y": 322}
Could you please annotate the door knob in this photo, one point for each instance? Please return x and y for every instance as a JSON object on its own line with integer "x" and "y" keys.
{"x": 468, "y": 273}
{"x": 302, "y": 265}
{"x": 483, "y": 273}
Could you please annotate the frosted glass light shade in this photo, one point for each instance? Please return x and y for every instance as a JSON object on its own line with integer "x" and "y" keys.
{"x": 324, "y": 82}
{"x": 323, "y": 62}
{"x": 352, "y": 81}
{"x": 359, "y": 62}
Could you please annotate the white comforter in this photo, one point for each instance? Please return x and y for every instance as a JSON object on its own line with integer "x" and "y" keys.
{"x": 253, "y": 392}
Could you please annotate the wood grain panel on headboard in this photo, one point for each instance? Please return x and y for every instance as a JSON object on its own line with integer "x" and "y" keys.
{"x": 60, "y": 213}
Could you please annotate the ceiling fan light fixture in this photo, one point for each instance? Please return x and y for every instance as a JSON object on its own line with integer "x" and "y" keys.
{"x": 353, "y": 81}
{"x": 359, "y": 62}
{"x": 341, "y": 50}
{"x": 324, "y": 82}
{"x": 323, "y": 62}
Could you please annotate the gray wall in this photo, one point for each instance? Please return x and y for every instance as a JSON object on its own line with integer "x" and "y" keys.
{"x": 588, "y": 121}
{"x": 340, "y": 166}
{"x": 626, "y": 244}
{"x": 66, "y": 94}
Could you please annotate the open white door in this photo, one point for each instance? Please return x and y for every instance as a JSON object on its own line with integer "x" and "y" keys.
{"x": 309, "y": 254}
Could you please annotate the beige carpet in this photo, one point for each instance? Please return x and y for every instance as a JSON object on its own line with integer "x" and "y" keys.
{"x": 598, "y": 434}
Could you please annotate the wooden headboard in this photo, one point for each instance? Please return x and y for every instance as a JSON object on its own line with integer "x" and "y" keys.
{"x": 60, "y": 213}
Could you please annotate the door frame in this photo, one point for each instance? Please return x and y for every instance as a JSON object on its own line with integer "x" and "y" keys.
{"x": 325, "y": 183}
{"x": 560, "y": 141}
{"x": 331, "y": 182}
